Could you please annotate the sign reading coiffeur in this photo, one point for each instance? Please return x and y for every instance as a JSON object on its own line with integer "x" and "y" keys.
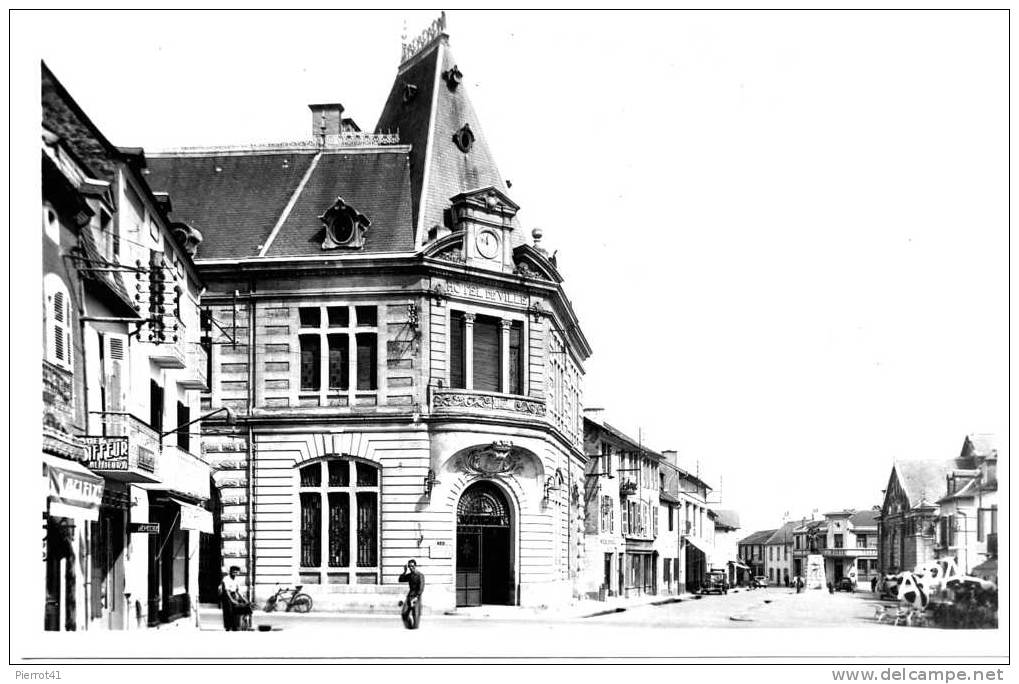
{"x": 106, "y": 453}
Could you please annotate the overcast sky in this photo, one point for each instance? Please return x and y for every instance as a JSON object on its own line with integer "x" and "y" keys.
{"x": 785, "y": 234}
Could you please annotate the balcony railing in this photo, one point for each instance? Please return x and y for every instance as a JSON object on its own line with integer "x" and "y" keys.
{"x": 459, "y": 400}
{"x": 195, "y": 376}
{"x": 127, "y": 449}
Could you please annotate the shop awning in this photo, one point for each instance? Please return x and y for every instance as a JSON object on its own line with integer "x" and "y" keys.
{"x": 699, "y": 543}
{"x": 74, "y": 490}
{"x": 740, "y": 565}
{"x": 193, "y": 517}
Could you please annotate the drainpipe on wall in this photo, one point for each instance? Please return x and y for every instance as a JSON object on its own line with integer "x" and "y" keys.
{"x": 251, "y": 448}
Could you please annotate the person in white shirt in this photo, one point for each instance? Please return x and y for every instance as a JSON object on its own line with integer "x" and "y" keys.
{"x": 233, "y": 603}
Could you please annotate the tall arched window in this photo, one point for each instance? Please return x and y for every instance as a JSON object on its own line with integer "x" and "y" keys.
{"x": 339, "y": 521}
{"x": 58, "y": 322}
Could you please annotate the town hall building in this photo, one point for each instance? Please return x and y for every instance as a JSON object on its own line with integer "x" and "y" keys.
{"x": 402, "y": 365}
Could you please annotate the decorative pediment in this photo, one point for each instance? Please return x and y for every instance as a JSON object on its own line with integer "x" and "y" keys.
{"x": 344, "y": 226}
{"x": 450, "y": 248}
{"x": 531, "y": 263}
{"x": 492, "y": 198}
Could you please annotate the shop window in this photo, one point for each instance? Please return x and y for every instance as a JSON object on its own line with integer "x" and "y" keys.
{"x": 342, "y": 517}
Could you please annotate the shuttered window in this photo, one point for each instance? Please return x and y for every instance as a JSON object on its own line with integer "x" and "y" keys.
{"x": 184, "y": 434}
{"x": 457, "y": 360}
{"x": 58, "y": 322}
{"x": 487, "y": 354}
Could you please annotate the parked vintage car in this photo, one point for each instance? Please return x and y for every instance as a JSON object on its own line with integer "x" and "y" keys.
{"x": 715, "y": 582}
{"x": 759, "y": 582}
{"x": 845, "y": 584}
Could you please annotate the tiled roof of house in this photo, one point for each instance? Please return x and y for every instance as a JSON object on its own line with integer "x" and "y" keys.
{"x": 784, "y": 534}
{"x": 64, "y": 117}
{"x": 923, "y": 481}
{"x": 759, "y": 537}
{"x": 726, "y": 518}
{"x": 236, "y": 200}
{"x": 864, "y": 518}
{"x": 981, "y": 445}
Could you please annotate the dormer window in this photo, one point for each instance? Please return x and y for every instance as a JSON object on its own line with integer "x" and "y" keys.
{"x": 344, "y": 226}
{"x": 464, "y": 138}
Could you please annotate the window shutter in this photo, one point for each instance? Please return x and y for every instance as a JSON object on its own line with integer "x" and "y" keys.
{"x": 487, "y": 356}
{"x": 115, "y": 371}
{"x": 58, "y": 343}
{"x": 625, "y": 518}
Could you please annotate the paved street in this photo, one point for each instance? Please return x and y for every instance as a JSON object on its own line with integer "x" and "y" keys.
{"x": 641, "y": 631}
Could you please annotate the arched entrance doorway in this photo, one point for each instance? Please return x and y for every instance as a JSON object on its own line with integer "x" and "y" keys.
{"x": 484, "y": 547}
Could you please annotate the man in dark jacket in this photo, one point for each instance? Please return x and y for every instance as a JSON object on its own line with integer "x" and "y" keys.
{"x": 415, "y": 580}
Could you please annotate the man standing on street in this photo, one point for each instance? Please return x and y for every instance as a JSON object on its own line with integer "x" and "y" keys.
{"x": 234, "y": 605}
{"x": 415, "y": 580}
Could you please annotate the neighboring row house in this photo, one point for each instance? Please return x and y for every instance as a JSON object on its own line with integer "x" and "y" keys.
{"x": 753, "y": 550}
{"x": 123, "y": 365}
{"x": 648, "y": 529}
{"x": 943, "y": 509}
{"x": 779, "y": 559}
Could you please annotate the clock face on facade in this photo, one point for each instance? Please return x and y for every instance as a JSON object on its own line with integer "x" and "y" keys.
{"x": 488, "y": 244}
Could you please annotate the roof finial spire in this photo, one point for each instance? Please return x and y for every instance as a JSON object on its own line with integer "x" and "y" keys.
{"x": 432, "y": 31}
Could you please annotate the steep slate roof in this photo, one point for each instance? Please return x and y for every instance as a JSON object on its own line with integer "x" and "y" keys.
{"x": 784, "y": 534}
{"x": 443, "y": 111}
{"x": 375, "y": 183}
{"x": 726, "y": 518}
{"x": 864, "y": 518}
{"x": 237, "y": 206}
{"x": 923, "y": 479}
{"x": 759, "y": 537}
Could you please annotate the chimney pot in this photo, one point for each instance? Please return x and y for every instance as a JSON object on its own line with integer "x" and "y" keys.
{"x": 326, "y": 119}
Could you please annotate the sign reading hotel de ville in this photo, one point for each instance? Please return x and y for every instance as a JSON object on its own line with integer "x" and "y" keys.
{"x": 106, "y": 453}
{"x": 488, "y": 294}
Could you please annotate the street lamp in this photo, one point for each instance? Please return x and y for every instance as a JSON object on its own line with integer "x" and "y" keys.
{"x": 231, "y": 419}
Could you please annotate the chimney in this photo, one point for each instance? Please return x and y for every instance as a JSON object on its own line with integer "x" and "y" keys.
{"x": 671, "y": 456}
{"x": 595, "y": 415}
{"x": 326, "y": 120}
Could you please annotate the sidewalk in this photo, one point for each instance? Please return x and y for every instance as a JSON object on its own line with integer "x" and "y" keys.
{"x": 211, "y": 618}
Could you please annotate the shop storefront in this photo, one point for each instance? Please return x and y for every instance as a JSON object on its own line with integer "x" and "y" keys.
{"x": 74, "y": 496}
{"x": 173, "y": 556}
